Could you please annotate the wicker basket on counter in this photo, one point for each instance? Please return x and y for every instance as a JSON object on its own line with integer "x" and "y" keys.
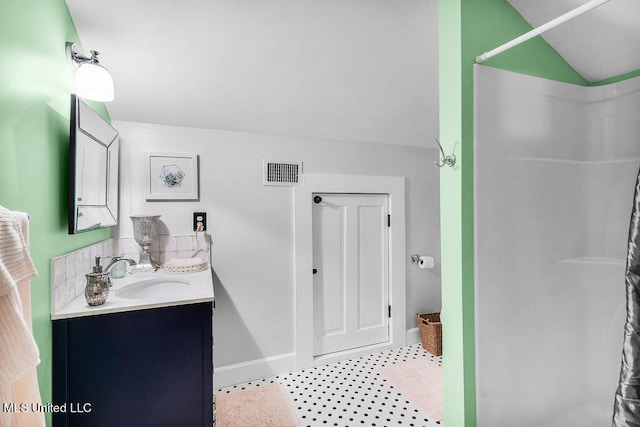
{"x": 430, "y": 329}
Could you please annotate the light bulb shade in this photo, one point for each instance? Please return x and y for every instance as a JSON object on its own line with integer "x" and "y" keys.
{"x": 94, "y": 82}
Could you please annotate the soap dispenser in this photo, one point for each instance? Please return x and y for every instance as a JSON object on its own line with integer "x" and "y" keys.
{"x": 98, "y": 284}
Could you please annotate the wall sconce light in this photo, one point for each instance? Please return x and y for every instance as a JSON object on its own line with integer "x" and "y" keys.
{"x": 93, "y": 81}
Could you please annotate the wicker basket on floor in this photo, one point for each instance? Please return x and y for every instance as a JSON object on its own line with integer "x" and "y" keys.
{"x": 430, "y": 329}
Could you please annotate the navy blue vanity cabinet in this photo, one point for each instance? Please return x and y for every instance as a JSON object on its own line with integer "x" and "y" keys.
{"x": 138, "y": 368}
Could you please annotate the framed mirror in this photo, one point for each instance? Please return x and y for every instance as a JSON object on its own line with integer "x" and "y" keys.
{"x": 93, "y": 170}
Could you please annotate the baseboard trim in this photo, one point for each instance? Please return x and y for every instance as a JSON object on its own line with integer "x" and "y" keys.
{"x": 284, "y": 363}
{"x": 254, "y": 369}
{"x": 413, "y": 336}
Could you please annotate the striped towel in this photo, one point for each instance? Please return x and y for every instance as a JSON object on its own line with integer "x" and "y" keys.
{"x": 18, "y": 350}
{"x": 15, "y": 262}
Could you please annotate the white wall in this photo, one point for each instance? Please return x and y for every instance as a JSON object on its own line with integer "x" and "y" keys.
{"x": 555, "y": 172}
{"x": 252, "y": 225}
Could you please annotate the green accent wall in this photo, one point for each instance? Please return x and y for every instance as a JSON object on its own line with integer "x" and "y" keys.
{"x": 616, "y": 79}
{"x": 35, "y": 84}
{"x": 467, "y": 29}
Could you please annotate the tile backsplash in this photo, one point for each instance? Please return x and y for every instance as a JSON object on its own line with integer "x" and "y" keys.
{"x": 68, "y": 271}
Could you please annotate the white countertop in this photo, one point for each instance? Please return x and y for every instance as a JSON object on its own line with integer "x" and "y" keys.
{"x": 199, "y": 289}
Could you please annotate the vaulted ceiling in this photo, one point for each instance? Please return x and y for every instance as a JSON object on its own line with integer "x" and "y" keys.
{"x": 600, "y": 44}
{"x": 356, "y": 70}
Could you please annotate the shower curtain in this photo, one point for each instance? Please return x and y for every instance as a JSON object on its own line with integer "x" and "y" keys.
{"x": 626, "y": 411}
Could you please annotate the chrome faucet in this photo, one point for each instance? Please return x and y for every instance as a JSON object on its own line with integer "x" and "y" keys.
{"x": 116, "y": 259}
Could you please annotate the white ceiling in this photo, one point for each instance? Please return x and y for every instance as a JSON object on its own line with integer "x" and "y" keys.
{"x": 602, "y": 43}
{"x": 355, "y": 70}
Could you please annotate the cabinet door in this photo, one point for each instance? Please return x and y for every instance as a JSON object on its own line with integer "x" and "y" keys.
{"x": 142, "y": 368}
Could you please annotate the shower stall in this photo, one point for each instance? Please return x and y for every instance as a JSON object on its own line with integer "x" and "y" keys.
{"x": 555, "y": 170}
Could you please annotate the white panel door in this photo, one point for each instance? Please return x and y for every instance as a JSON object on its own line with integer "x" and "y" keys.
{"x": 351, "y": 271}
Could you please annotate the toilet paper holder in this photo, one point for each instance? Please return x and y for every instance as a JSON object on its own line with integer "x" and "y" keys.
{"x": 423, "y": 261}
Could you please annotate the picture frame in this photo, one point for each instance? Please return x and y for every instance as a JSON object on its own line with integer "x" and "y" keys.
{"x": 172, "y": 176}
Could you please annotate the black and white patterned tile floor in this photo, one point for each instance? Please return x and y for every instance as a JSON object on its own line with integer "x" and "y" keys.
{"x": 351, "y": 392}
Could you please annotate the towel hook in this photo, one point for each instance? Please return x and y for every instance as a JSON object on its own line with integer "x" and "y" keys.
{"x": 446, "y": 159}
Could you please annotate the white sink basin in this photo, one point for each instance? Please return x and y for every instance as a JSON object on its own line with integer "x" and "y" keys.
{"x": 153, "y": 288}
{"x": 145, "y": 291}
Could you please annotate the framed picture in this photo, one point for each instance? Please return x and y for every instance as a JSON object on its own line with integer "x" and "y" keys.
{"x": 172, "y": 176}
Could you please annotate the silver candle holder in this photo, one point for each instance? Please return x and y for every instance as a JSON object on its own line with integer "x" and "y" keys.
{"x": 145, "y": 231}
